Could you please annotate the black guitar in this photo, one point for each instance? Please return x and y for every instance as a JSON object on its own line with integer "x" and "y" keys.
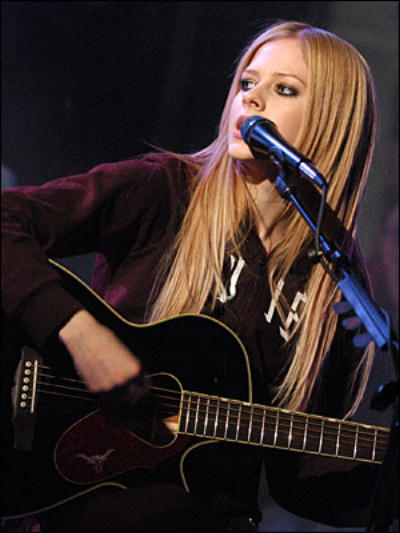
{"x": 58, "y": 446}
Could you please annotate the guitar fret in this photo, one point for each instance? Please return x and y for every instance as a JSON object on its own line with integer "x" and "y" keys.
{"x": 374, "y": 446}
{"x": 196, "y": 418}
{"x": 305, "y": 435}
{"x": 187, "y": 414}
{"x": 276, "y": 428}
{"x": 206, "y": 417}
{"x": 321, "y": 436}
{"x": 250, "y": 424}
{"x": 238, "y": 421}
{"x": 338, "y": 439}
{"x": 223, "y": 417}
{"x": 262, "y": 428}
{"x": 216, "y": 418}
{"x": 296, "y": 432}
{"x": 355, "y": 444}
{"x": 227, "y": 419}
{"x": 290, "y": 431}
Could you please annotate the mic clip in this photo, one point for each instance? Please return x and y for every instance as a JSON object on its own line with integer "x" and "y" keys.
{"x": 284, "y": 188}
{"x": 314, "y": 256}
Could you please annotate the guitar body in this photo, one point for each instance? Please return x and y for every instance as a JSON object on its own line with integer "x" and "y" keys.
{"x": 71, "y": 448}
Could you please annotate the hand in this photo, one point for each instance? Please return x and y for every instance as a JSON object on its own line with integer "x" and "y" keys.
{"x": 122, "y": 388}
{"x": 99, "y": 356}
{"x": 134, "y": 407}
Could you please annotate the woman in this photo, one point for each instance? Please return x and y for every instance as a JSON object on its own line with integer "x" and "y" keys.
{"x": 208, "y": 233}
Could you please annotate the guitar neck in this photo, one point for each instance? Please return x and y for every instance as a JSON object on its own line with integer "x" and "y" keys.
{"x": 218, "y": 418}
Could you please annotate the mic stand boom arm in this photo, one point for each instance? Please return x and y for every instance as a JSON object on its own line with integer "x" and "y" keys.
{"x": 374, "y": 319}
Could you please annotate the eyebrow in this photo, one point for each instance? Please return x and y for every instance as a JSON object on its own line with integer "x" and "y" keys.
{"x": 251, "y": 71}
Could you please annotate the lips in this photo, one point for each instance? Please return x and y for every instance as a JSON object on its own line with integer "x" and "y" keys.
{"x": 240, "y": 121}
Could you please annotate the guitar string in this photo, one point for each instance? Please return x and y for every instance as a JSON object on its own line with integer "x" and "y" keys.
{"x": 316, "y": 427}
{"x": 311, "y": 438}
{"x": 313, "y": 432}
{"x": 42, "y": 391}
{"x": 156, "y": 388}
{"x": 364, "y": 431}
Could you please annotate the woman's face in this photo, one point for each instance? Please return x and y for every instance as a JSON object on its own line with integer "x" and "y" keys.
{"x": 273, "y": 86}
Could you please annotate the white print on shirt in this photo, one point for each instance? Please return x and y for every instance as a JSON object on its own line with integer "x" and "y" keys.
{"x": 237, "y": 265}
{"x": 292, "y": 315}
{"x": 274, "y": 299}
{"x": 236, "y": 271}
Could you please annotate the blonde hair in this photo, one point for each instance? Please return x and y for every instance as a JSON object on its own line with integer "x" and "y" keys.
{"x": 338, "y": 134}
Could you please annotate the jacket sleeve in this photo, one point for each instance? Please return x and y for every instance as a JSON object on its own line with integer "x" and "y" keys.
{"x": 99, "y": 211}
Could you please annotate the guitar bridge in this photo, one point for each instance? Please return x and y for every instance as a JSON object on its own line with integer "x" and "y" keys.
{"x": 24, "y": 396}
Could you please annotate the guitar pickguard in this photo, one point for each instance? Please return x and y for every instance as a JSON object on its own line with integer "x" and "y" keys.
{"x": 93, "y": 449}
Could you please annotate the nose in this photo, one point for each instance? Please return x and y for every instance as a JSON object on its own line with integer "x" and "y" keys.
{"x": 254, "y": 100}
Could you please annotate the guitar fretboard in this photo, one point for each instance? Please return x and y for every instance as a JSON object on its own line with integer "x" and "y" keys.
{"x": 219, "y": 418}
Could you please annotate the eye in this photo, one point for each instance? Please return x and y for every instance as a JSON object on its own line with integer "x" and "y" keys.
{"x": 286, "y": 90}
{"x": 246, "y": 84}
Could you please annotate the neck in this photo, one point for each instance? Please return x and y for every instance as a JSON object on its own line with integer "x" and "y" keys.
{"x": 268, "y": 208}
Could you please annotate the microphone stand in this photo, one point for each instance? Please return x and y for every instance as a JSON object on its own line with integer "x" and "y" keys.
{"x": 377, "y": 323}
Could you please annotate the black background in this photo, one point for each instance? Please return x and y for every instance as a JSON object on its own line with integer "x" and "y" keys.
{"x": 86, "y": 82}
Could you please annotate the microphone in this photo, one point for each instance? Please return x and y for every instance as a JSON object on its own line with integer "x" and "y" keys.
{"x": 266, "y": 142}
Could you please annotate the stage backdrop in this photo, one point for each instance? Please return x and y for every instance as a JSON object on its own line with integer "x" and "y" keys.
{"x": 89, "y": 82}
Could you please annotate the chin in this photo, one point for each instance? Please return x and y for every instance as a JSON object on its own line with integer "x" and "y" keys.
{"x": 260, "y": 168}
{"x": 240, "y": 151}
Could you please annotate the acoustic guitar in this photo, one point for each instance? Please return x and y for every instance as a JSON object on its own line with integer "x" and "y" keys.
{"x": 58, "y": 446}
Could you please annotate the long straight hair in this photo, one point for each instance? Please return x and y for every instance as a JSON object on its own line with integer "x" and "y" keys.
{"x": 338, "y": 135}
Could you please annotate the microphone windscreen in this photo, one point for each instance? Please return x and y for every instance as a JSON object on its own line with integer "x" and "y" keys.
{"x": 250, "y": 122}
